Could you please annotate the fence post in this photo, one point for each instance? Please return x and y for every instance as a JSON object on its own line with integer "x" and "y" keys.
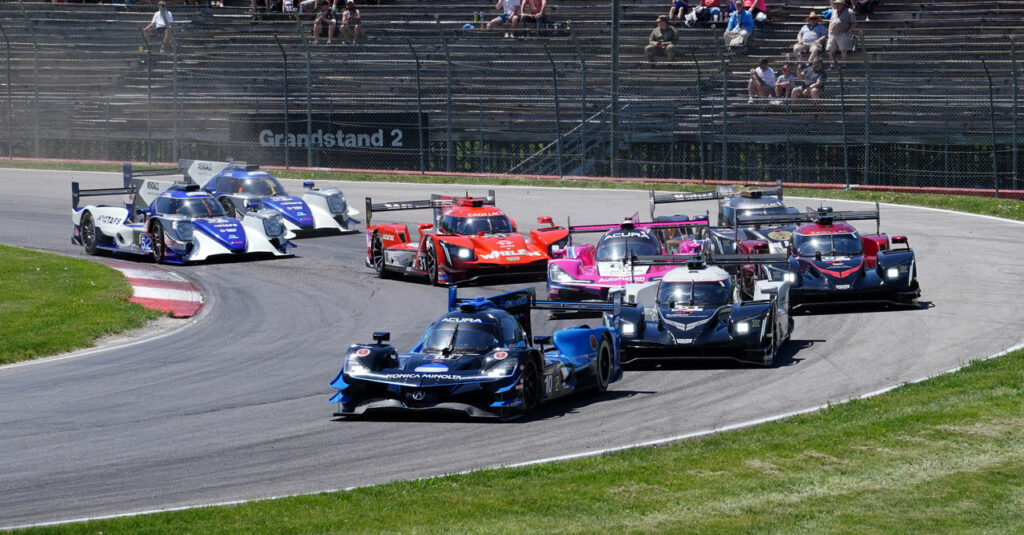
{"x": 309, "y": 92}
{"x": 992, "y": 118}
{"x": 613, "y": 145}
{"x": 35, "y": 78}
{"x": 867, "y": 115}
{"x": 1013, "y": 133}
{"x": 789, "y": 144}
{"x": 725, "y": 109}
{"x": 10, "y": 119}
{"x": 583, "y": 99}
{"x": 177, "y": 99}
{"x": 149, "y": 98}
{"x": 700, "y": 118}
{"x": 419, "y": 107}
{"x": 558, "y": 114}
{"x": 945, "y": 151}
{"x": 284, "y": 66}
{"x": 448, "y": 96}
{"x": 842, "y": 113}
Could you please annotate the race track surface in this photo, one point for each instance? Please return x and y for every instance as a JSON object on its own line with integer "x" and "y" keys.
{"x": 235, "y": 406}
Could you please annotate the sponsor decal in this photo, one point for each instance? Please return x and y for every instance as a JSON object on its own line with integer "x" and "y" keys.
{"x": 362, "y": 352}
{"x": 146, "y": 242}
{"x": 406, "y": 376}
{"x": 842, "y": 287}
{"x": 433, "y": 367}
{"x": 497, "y": 254}
{"x": 196, "y": 194}
{"x": 627, "y": 234}
{"x": 512, "y": 258}
{"x": 462, "y": 320}
{"x": 152, "y": 186}
{"x": 269, "y": 138}
{"x": 593, "y": 342}
{"x": 780, "y": 235}
{"x": 500, "y": 355}
{"x": 684, "y": 340}
{"x": 418, "y": 395}
{"x": 506, "y": 243}
{"x": 108, "y": 219}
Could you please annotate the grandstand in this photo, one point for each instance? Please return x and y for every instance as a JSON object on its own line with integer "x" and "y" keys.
{"x": 913, "y": 105}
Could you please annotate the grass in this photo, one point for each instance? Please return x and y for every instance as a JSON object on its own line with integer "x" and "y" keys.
{"x": 942, "y": 456}
{"x": 51, "y": 304}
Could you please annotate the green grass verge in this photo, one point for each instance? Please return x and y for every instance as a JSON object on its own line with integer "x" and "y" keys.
{"x": 51, "y": 304}
{"x": 942, "y": 456}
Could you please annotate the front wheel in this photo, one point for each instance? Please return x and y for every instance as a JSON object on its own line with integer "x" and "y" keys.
{"x": 88, "y": 232}
{"x": 530, "y": 382}
{"x": 377, "y": 256}
{"x": 159, "y": 245}
{"x": 229, "y": 207}
{"x": 604, "y": 367}
{"x": 431, "y": 263}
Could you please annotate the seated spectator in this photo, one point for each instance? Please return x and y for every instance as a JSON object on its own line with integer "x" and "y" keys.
{"x": 812, "y": 80}
{"x": 313, "y": 5}
{"x": 864, "y": 7}
{"x": 741, "y": 23}
{"x": 707, "y": 11}
{"x": 662, "y": 41}
{"x": 511, "y": 11}
{"x": 757, "y": 9}
{"x": 811, "y": 38}
{"x": 784, "y": 84}
{"x": 160, "y": 25}
{"x": 840, "y": 25}
{"x": 325, "y": 18}
{"x": 538, "y": 12}
{"x": 678, "y": 10}
{"x": 762, "y": 81}
{"x": 350, "y": 19}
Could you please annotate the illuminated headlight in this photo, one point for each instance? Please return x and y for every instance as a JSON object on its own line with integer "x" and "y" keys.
{"x": 336, "y": 203}
{"x": 628, "y": 329}
{"x": 742, "y": 327}
{"x": 504, "y": 369}
{"x": 789, "y": 277}
{"x": 274, "y": 225}
{"x": 354, "y": 367}
{"x": 557, "y": 274}
{"x": 892, "y": 273}
{"x": 462, "y": 253}
{"x": 184, "y": 230}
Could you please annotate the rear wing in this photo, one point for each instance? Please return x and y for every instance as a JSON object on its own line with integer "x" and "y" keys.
{"x": 148, "y": 184}
{"x": 201, "y": 171}
{"x": 721, "y": 193}
{"x": 77, "y": 193}
{"x": 699, "y": 221}
{"x": 823, "y": 215}
{"x": 700, "y": 261}
{"x": 436, "y": 202}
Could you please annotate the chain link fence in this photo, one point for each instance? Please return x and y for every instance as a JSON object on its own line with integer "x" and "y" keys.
{"x": 436, "y": 97}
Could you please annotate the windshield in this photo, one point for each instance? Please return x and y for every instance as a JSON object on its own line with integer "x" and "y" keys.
{"x": 702, "y": 294}
{"x": 194, "y": 207}
{"x": 828, "y": 244}
{"x": 495, "y": 224}
{"x": 776, "y": 272}
{"x": 263, "y": 186}
{"x": 618, "y": 245}
{"x": 767, "y": 210}
{"x": 460, "y": 337}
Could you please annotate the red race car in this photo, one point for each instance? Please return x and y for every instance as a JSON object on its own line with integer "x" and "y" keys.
{"x": 468, "y": 240}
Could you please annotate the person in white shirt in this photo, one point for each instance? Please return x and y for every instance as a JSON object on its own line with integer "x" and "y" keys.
{"x": 161, "y": 24}
{"x": 511, "y": 11}
{"x": 762, "y": 81}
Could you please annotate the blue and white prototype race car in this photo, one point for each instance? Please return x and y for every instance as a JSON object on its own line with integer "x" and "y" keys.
{"x": 237, "y": 185}
{"x": 479, "y": 360}
{"x": 173, "y": 221}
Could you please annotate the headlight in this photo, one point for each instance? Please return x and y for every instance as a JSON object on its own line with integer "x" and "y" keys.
{"x": 462, "y": 253}
{"x": 336, "y": 203}
{"x": 742, "y": 327}
{"x": 504, "y": 368}
{"x": 628, "y": 329}
{"x": 184, "y": 230}
{"x": 273, "y": 225}
{"x": 789, "y": 277}
{"x": 354, "y": 367}
{"x": 892, "y": 273}
{"x": 557, "y": 274}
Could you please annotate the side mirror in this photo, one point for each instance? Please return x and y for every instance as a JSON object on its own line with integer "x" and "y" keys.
{"x": 308, "y": 184}
{"x": 513, "y": 222}
{"x": 546, "y": 220}
{"x": 817, "y": 255}
{"x": 252, "y": 205}
{"x": 557, "y": 251}
{"x": 143, "y": 211}
{"x": 899, "y": 239}
{"x": 542, "y": 340}
{"x": 381, "y": 336}
{"x": 425, "y": 226}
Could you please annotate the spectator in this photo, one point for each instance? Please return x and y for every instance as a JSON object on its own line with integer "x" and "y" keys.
{"x": 812, "y": 80}
{"x": 161, "y": 25}
{"x": 313, "y": 5}
{"x": 350, "y": 19}
{"x": 708, "y": 10}
{"x": 511, "y": 11}
{"x": 762, "y": 81}
{"x": 865, "y": 7}
{"x": 538, "y": 12}
{"x": 678, "y": 9}
{"x": 662, "y": 41}
{"x": 783, "y": 84}
{"x": 840, "y": 26}
{"x": 757, "y": 9}
{"x": 741, "y": 23}
{"x": 324, "y": 18}
{"x": 811, "y": 38}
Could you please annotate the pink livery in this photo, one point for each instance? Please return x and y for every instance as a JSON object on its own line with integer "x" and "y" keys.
{"x": 593, "y": 271}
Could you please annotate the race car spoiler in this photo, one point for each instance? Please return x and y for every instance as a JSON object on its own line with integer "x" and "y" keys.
{"x": 77, "y": 192}
{"x": 519, "y": 303}
{"x": 694, "y": 261}
{"x": 721, "y": 192}
{"x": 128, "y": 188}
{"x": 435, "y": 202}
{"x": 823, "y": 215}
{"x": 631, "y": 223}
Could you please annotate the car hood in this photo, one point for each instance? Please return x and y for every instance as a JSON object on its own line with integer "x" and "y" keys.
{"x": 227, "y": 231}
{"x": 292, "y": 208}
{"x": 500, "y": 247}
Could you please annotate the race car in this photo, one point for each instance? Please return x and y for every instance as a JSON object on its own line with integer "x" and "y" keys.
{"x": 471, "y": 239}
{"x": 695, "y": 311}
{"x": 480, "y": 359}
{"x": 831, "y": 263}
{"x": 237, "y": 185}
{"x": 591, "y": 271}
{"x": 173, "y": 221}
{"x": 732, "y": 200}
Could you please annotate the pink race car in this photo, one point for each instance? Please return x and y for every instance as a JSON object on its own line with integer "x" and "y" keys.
{"x": 592, "y": 271}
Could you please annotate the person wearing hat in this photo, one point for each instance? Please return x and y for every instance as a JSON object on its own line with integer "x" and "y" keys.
{"x": 811, "y": 38}
{"x": 762, "y": 81}
{"x": 741, "y": 23}
{"x": 161, "y": 25}
{"x": 783, "y": 84}
{"x": 350, "y": 19}
{"x": 662, "y": 41}
{"x": 840, "y": 26}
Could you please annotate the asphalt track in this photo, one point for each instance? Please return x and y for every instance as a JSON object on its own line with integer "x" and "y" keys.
{"x": 234, "y": 406}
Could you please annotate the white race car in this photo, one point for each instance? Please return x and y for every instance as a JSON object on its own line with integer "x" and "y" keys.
{"x": 173, "y": 221}
{"x": 236, "y": 185}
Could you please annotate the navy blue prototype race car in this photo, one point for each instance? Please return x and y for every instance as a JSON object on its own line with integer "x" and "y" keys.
{"x": 481, "y": 360}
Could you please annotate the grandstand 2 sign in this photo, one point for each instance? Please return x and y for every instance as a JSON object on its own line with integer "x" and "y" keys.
{"x": 357, "y": 140}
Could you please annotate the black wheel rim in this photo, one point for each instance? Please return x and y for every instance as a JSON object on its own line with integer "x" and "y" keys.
{"x": 88, "y": 233}
{"x": 529, "y": 387}
{"x": 432, "y": 264}
{"x": 229, "y": 209}
{"x": 377, "y": 253}
{"x": 605, "y": 366}
{"x": 158, "y": 243}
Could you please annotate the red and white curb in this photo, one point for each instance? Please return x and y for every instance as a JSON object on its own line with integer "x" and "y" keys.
{"x": 158, "y": 289}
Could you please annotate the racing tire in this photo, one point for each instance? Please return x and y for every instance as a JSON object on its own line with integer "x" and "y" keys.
{"x": 229, "y": 207}
{"x": 159, "y": 245}
{"x": 773, "y": 349}
{"x": 377, "y": 256}
{"x": 603, "y": 371}
{"x": 431, "y": 263}
{"x": 88, "y": 234}
{"x": 530, "y": 381}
